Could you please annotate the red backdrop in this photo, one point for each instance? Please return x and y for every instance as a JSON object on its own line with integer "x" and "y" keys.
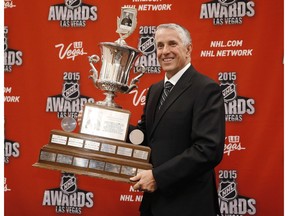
{"x": 237, "y": 43}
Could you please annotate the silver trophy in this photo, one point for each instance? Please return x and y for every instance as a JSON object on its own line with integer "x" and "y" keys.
{"x": 117, "y": 60}
{"x": 100, "y": 149}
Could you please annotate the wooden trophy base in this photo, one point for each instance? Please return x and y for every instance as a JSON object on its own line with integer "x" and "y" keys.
{"x": 93, "y": 156}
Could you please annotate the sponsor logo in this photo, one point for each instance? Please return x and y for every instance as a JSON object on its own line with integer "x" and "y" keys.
{"x": 232, "y": 144}
{"x": 8, "y": 4}
{"x": 139, "y": 99}
{"x": 73, "y": 13}
{"x": 235, "y": 106}
{"x": 70, "y": 101}
{"x": 73, "y": 50}
{"x": 68, "y": 198}
{"x": 6, "y": 188}
{"x": 10, "y": 98}
{"x": 132, "y": 196}
{"x": 227, "y": 12}
{"x": 230, "y": 201}
{"x": 228, "y": 48}
{"x": 150, "y": 5}
{"x": 11, "y": 56}
{"x": 147, "y": 46}
{"x": 11, "y": 149}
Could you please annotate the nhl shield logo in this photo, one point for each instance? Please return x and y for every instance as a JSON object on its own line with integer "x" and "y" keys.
{"x": 226, "y": 2}
{"x": 147, "y": 45}
{"x": 71, "y": 4}
{"x": 227, "y": 190}
{"x": 70, "y": 90}
{"x": 68, "y": 183}
{"x": 228, "y": 91}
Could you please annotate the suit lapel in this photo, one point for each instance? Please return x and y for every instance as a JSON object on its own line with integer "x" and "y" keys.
{"x": 154, "y": 97}
{"x": 182, "y": 84}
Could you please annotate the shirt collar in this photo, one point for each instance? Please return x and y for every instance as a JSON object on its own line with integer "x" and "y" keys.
{"x": 174, "y": 79}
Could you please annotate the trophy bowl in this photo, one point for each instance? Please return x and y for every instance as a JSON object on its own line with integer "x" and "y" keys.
{"x": 117, "y": 61}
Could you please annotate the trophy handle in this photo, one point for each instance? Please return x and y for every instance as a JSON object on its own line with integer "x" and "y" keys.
{"x": 135, "y": 80}
{"x": 93, "y": 59}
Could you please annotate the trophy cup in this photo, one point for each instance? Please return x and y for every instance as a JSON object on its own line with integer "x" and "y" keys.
{"x": 100, "y": 150}
{"x": 117, "y": 60}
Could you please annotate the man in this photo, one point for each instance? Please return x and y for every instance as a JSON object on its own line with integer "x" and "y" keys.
{"x": 186, "y": 134}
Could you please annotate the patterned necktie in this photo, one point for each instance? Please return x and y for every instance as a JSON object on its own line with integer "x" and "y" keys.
{"x": 167, "y": 88}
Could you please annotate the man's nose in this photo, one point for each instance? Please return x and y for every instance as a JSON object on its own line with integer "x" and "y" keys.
{"x": 166, "y": 49}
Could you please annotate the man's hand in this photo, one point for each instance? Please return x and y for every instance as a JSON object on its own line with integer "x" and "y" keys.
{"x": 145, "y": 181}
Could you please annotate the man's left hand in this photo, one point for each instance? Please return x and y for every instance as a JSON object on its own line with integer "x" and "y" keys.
{"x": 145, "y": 181}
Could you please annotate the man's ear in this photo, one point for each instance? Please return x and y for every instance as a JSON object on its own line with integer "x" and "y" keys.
{"x": 189, "y": 49}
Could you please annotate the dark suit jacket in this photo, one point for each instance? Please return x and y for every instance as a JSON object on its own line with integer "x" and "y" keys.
{"x": 186, "y": 138}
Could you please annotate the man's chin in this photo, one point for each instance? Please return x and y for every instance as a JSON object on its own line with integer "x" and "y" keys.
{"x": 167, "y": 67}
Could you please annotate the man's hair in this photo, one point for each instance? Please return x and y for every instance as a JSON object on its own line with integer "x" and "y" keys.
{"x": 184, "y": 34}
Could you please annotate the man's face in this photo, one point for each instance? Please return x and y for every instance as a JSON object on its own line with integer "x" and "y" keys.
{"x": 172, "y": 54}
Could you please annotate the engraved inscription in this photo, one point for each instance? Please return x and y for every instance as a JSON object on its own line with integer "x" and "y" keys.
{"x": 92, "y": 145}
{"x": 103, "y": 122}
{"x": 140, "y": 154}
{"x": 80, "y": 162}
{"x": 47, "y": 156}
{"x": 58, "y": 139}
{"x": 124, "y": 151}
{"x": 114, "y": 168}
{"x": 98, "y": 165}
{"x": 108, "y": 148}
{"x": 127, "y": 170}
{"x": 66, "y": 159}
{"x": 75, "y": 142}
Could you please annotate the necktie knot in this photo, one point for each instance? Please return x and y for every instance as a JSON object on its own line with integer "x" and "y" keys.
{"x": 168, "y": 86}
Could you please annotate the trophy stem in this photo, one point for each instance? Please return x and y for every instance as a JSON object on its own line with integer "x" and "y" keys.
{"x": 109, "y": 100}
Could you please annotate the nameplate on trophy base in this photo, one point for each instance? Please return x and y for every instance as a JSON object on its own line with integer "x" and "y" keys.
{"x": 93, "y": 156}
{"x": 99, "y": 145}
{"x": 106, "y": 122}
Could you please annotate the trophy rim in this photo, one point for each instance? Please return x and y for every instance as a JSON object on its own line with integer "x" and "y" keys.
{"x": 120, "y": 46}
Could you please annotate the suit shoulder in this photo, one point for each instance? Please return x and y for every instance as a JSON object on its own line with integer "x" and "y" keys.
{"x": 156, "y": 85}
{"x": 193, "y": 74}
{"x": 204, "y": 78}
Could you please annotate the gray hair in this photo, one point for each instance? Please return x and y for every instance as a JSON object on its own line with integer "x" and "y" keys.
{"x": 184, "y": 34}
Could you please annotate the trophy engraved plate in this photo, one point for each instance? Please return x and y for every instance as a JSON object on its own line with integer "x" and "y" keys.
{"x": 127, "y": 170}
{"x": 58, "y": 139}
{"x": 75, "y": 142}
{"x": 100, "y": 149}
{"x": 114, "y": 168}
{"x": 104, "y": 146}
{"x": 97, "y": 157}
{"x": 66, "y": 159}
{"x": 105, "y": 122}
{"x": 92, "y": 145}
{"x": 81, "y": 162}
{"x": 140, "y": 154}
{"x": 47, "y": 156}
{"x": 98, "y": 165}
{"x": 124, "y": 151}
{"x": 108, "y": 148}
